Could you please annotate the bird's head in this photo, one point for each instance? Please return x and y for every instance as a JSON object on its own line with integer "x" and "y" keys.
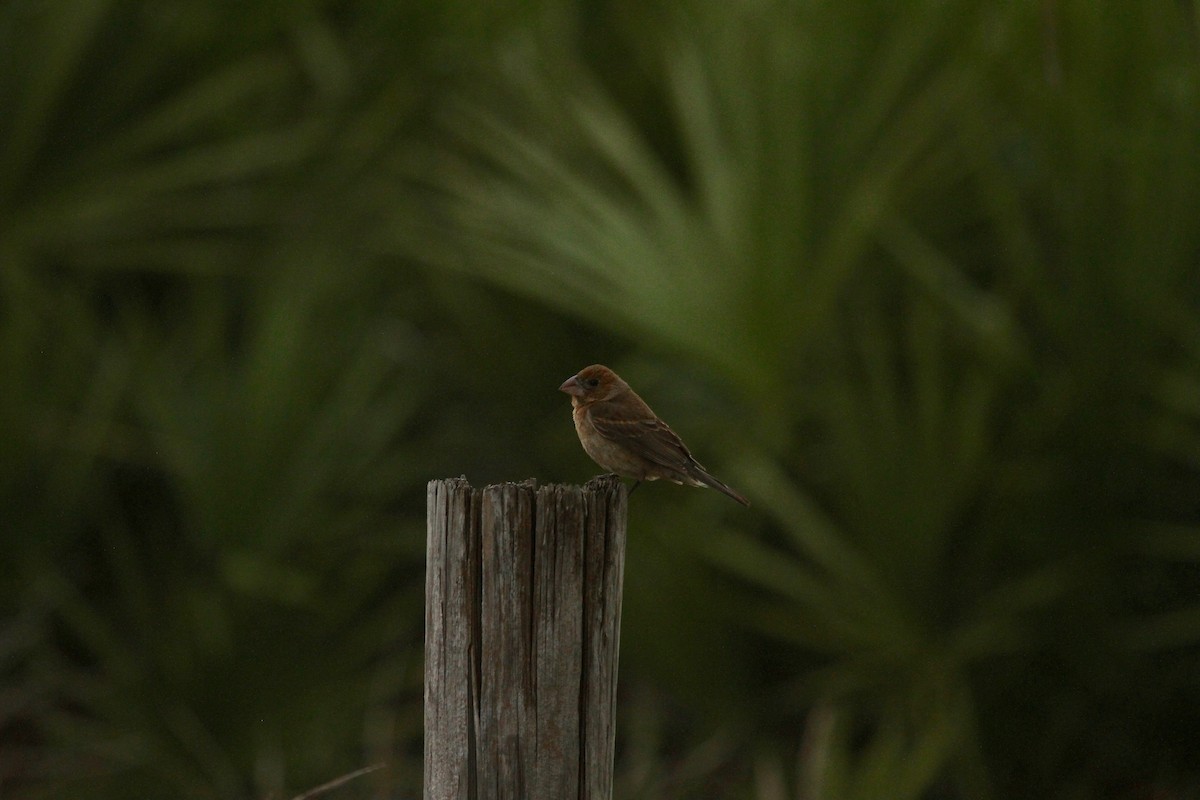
{"x": 593, "y": 384}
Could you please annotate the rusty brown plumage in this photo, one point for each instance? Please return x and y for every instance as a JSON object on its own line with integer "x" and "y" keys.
{"x": 623, "y": 435}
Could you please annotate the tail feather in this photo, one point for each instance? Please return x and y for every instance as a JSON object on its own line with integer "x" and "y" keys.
{"x": 708, "y": 480}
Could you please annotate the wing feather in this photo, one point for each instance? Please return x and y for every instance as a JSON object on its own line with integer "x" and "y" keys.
{"x": 649, "y": 438}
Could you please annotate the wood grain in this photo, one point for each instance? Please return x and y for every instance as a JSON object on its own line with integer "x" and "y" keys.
{"x": 523, "y": 610}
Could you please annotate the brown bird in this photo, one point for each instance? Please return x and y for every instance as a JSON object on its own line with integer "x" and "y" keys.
{"x": 620, "y": 432}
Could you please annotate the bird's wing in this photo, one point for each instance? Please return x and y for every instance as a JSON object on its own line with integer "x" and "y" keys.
{"x": 647, "y": 437}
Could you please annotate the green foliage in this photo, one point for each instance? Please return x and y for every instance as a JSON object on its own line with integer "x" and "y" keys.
{"x": 922, "y": 281}
{"x": 211, "y": 512}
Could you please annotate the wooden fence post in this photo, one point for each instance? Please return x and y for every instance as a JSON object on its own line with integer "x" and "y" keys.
{"x": 522, "y": 632}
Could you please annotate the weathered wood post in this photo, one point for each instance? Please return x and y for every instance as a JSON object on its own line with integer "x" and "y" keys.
{"x": 522, "y": 631}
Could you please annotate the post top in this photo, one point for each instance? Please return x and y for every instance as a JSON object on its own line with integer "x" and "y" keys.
{"x": 599, "y": 485}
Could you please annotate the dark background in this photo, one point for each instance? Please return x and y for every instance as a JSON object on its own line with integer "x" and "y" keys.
{"x": 920, "y": 278}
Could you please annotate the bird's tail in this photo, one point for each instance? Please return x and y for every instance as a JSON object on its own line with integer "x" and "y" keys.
{"x": 708, "y": 480}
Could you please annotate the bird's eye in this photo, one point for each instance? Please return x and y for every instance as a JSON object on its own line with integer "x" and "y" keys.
{"x": 591, "y": 383}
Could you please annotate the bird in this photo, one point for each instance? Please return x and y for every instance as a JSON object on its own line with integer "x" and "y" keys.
{"x": 623, "y": 435}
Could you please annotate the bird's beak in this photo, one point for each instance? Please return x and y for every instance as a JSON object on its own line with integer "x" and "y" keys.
{"x": 571, "y": 386}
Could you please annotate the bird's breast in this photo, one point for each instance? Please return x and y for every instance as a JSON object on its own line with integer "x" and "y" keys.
{"x": 610, "y": 455}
